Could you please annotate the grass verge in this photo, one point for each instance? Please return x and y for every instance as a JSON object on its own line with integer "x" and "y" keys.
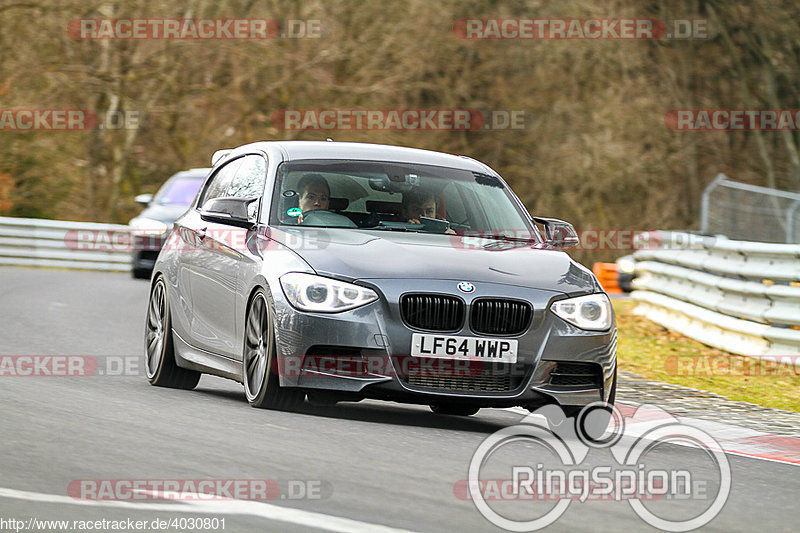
{"x": 655, "y": 352}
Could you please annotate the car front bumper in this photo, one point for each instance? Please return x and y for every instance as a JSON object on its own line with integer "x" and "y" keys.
{"x": 366, "y": 353}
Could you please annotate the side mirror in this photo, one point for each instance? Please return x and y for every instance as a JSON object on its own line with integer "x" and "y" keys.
{"x": 558, "y": 233}
{"x": 229, "y": 211}
{"x": 143, "y": 199}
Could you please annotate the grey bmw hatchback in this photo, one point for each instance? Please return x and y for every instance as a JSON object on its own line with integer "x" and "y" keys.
{"x": 343, "y": 271}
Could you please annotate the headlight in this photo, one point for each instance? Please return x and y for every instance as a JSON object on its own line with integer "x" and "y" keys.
{"x": 592, "y": 312}
{"x": 315, "y": 293}
{"x": 147, "y": 226}
{"x": 626, "y": 265}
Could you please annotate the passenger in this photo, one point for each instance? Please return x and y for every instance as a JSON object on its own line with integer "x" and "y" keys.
{"x": 315, "y": 193}
{"x": 419, "y": 203}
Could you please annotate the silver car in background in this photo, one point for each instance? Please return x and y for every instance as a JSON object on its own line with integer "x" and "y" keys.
{"x": 347, "y": 289}
{"x": 150, "y": 227}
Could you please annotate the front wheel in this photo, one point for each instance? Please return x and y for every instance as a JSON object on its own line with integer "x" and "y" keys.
{"x": 259, "y": 362}
{"x": 159, "y": 352}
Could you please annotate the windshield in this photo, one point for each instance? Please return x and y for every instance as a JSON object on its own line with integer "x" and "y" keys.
{"x": 395, "y": 197}
{"x": 179, "y": 191}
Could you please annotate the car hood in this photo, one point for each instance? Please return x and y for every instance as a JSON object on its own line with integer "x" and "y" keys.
{"x": 365, "y": 254}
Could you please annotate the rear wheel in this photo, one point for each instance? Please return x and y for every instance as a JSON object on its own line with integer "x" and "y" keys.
{"x": 259, "y": 362}
{"x": 159, "y": 352}
{"x": 454, "y": 409}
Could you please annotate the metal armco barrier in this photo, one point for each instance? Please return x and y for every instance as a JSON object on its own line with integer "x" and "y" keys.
{"x": 56, "y": 243}
{"x": 742, "y": 297}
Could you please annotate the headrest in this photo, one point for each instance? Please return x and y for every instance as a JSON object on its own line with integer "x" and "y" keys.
{"x": 338, "y": 204}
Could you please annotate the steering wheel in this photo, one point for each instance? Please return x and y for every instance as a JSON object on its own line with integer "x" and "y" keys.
{"x": 323, "y": 217}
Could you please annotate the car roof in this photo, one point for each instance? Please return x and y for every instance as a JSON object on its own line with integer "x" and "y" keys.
{"x": 296, "y": 150}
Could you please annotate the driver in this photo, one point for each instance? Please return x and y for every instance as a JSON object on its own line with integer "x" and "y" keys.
{"x": 315, "y": 193}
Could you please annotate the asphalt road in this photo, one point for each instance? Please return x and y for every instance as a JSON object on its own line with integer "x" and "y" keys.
{"x": 369, "y": 465}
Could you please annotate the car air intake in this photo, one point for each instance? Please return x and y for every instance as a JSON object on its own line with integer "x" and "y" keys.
{"x": 484, "y": 377}
{"x": 432, "y": 312}
{"x": 576, "y": 375}
{"x": 500, "y": 317}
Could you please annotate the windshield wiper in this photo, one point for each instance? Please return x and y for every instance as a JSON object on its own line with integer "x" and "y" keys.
{"x": 392, "y": 228}
{"x": 509, "y": 238}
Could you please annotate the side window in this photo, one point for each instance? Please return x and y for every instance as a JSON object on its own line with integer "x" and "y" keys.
{"x": 248, "y": 182}
{"x": 218, "y": 186}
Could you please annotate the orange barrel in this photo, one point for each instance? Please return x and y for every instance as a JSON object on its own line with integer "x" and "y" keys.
{"x": 607, "y": 274}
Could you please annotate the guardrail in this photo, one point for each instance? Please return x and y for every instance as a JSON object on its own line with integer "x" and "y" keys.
{"x": 57, "y": 243}
{"x": 742, "y": 297}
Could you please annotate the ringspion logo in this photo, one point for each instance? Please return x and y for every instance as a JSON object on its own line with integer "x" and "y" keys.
{"x": 549, "y": 464}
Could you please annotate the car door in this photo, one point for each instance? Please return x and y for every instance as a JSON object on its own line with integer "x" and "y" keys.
{"x": 215, "y": 267}
{"x": 194, "y": 248}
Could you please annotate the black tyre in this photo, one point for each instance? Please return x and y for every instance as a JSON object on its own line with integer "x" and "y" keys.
{"x": 259, "y": 362}
{"x": 141, "y": 273}
{"x": 159, "y": 352}
{"x": 454, "y": 409}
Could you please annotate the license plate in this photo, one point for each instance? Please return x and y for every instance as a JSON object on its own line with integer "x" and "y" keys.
{"x": 454, "y": 347}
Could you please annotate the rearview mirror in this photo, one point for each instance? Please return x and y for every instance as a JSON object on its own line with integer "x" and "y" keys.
{"x": 143, "y": 199}
{"x": 558, "y": 233}
{"x": 229, "y": 211}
